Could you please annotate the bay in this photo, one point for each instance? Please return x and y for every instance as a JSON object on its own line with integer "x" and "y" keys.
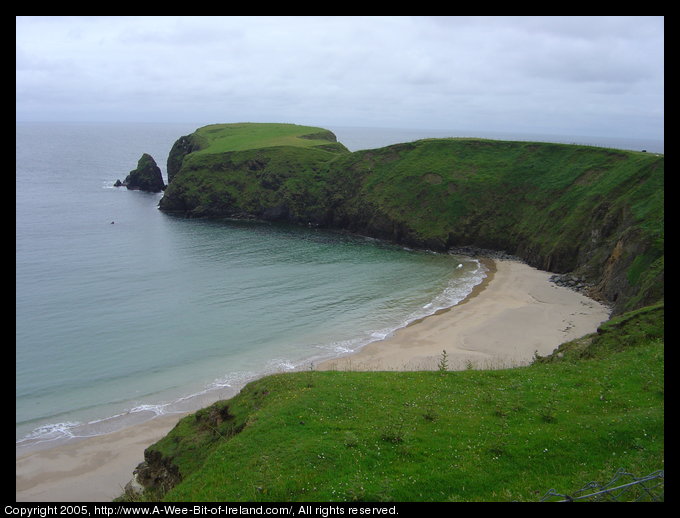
{"x": 124, "y": 312}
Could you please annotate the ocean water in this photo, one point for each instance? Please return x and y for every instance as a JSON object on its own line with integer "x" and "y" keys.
{"x": 124, "y": 313}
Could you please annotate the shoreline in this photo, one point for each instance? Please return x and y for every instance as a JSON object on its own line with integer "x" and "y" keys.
{"x": 53, "y": 435}
{"x": 487, "y": 329}
{"x": 489, "y": 265}
{"x": 94, "y": 469}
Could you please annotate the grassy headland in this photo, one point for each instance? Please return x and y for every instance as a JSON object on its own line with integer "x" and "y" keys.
{"x": 220, "y": 138}
{"x": 269, "y": 171}
{"x": 592, "y": 211}
{"x": 595, "y": 405}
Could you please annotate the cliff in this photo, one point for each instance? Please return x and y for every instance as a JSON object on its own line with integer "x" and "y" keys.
{"x": 594, "y": 212}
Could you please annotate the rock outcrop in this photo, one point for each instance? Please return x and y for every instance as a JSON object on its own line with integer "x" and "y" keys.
{"x": 147, "y": 176}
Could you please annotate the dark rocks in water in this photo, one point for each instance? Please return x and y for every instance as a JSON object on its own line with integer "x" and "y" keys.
{"x": 147, "y": 176}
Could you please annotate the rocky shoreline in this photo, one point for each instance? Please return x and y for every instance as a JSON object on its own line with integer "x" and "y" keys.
{"x": 573, "y": 282}
{"x": 579, "y": 285}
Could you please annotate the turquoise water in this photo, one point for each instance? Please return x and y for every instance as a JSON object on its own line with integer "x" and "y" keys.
{"x": 124, "y": 312}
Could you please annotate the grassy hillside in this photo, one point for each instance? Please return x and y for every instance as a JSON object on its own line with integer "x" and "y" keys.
{"x": 593, "y": 211}
{"x": 432, "y": 436}
{"x": 451, "y": 190}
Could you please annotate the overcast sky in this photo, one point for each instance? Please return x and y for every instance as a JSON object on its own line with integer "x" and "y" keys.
{"x": 560, "y": 75}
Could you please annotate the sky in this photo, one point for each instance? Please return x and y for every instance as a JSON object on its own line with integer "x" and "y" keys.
{"x": 600, "y": 76}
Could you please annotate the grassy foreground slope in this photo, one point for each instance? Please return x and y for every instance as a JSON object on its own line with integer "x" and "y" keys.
{"x": 432, "y": 436}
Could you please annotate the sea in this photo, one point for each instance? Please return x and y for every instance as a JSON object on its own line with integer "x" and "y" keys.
{"x": 125, "y": 313}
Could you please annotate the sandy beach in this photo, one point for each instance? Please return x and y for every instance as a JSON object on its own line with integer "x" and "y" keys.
{"x": 95, "y": 469}
{"x": 514, "y": 313}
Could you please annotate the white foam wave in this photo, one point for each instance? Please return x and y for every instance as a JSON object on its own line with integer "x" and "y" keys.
{"x": 279, "y": 364}
{"x": 457, "y": 290}
{"x": 155, "y": 409}
{"x": 51, "y": 432}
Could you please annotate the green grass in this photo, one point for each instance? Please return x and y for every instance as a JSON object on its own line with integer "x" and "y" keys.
{"x": 221, "y": 138}
{"x": 498, "y": 435}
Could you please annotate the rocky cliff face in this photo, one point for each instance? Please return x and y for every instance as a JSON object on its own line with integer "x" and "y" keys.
{"x": 181, "y": 148}
{"x": 146, "y": 177}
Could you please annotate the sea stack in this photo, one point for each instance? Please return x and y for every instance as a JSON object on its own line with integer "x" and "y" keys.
{"x": 147, "y": 176}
